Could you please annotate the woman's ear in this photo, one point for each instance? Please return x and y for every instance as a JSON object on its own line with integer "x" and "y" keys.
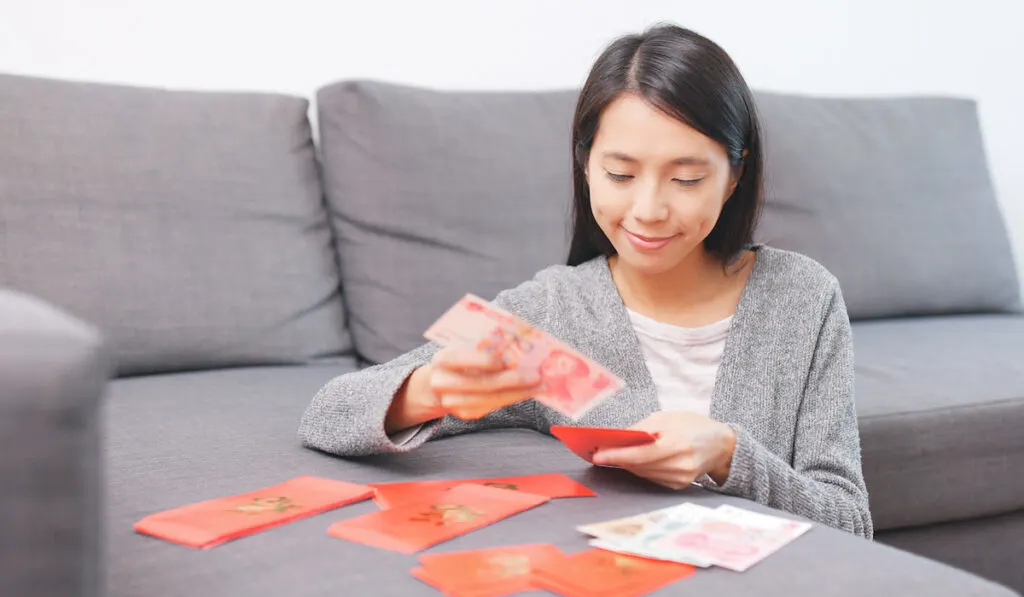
{"x": 739, "y": 174}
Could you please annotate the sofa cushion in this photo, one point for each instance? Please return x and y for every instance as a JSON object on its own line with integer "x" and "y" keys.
{"x": 188, "y": 226}
{"x": 436, "y": 194}
{"x": 178, "y": 439}
{"x": 894, "y": 197}
{"x": 989, "y": 547}
{"x": 941, "y": 405}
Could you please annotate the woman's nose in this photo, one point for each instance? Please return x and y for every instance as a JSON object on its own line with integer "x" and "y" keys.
{"x": 648, "y": 204}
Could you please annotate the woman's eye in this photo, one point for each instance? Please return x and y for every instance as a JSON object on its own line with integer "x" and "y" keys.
{"x": 687, "y": 182}
{"x": 618, "y": 177}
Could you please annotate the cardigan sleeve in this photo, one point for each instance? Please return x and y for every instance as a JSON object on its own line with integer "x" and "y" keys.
{"x": 346, "y": 417}
{"x": 825, "y": 483}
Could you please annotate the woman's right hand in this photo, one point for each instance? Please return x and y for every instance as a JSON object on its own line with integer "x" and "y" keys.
{"x": 469, "y": 383}
{"x": 462, "y": 382}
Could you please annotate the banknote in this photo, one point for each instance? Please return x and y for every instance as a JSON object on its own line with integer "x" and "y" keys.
{"x": 641, "y": 535}
{"x": 691, "y": 559}
{"x": 571, "y": 383}
{"x": 729, "y": 537}
{"x": 628, "y": 526}
{"x": 734, "y": 538}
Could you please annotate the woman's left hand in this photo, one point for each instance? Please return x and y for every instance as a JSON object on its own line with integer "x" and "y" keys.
{"x": 688, "y": 446}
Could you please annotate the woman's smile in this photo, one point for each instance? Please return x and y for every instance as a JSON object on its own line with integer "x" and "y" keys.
{"x": 648, "y": 243}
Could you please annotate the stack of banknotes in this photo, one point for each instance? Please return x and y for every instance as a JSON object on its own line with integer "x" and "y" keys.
{"x": 726, "y": 536}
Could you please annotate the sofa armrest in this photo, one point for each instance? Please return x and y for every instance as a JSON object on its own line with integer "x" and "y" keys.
{"x": 53, "y": 370}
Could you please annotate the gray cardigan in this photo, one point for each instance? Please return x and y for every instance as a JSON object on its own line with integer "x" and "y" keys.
{"x": 785, "y": 385}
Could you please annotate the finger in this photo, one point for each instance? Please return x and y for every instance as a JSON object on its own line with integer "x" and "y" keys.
{"x": 673, "y": 471}
{"x": 472, "y": 412}
{"x": 667, "y": 472}
{"x": 634, "y": 456}
{"x": 672, "y": 481}
{"x": 459, "y": 358}
{"x": 474, "y": 406}
{"x": 651, "y": 425}
{"x": 481, "y": 383}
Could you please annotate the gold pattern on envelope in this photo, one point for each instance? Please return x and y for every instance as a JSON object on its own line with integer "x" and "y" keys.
{"x": 261, "y": 505}
{"x": 446, "y": 514}
{"x": 509, "y": 564}
{"x": 511, "y": 486}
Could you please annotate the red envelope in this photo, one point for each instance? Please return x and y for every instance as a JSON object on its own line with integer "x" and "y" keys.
{"x": 425, "y": 576}
{"x": 413, "y": 527}
{"x": 213, "y": 522}
{"x": 495, "y": 572}
{"x": 554, "y": 485}
{"x": 599, "y": 573}
{"x": 586, "y": 441}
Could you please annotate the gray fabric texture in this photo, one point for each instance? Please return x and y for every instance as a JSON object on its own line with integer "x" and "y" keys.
{"x": 893, "y": 196}
{"x": 190, "y": 227}
{"x": 989, "y": 547}
{"x": 53, "y": 369}
{"x": 436, "y": 194}
{"x": 941, "y": 405}
{"x": 178, "y": 439}
{"x": 785, "y": 384}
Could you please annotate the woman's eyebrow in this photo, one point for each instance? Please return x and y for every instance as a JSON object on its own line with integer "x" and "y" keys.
{"x": 687, "y": 160}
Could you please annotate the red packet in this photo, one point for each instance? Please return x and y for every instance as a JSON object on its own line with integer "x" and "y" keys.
{"x": 495, "y": 572}
{"x": 585, "y": 441}
{"x": 213, "y": 522}
{"x": 423, "y": 575}
{"x": 554, "y": 485}
{"x": 412, "y": 527}
{"x": 599, "y": 573}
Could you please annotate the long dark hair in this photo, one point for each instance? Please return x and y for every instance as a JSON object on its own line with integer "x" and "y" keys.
{"x": 690, "y": 78}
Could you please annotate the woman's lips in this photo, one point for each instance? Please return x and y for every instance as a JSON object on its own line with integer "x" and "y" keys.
{"x": 648, "y": 243}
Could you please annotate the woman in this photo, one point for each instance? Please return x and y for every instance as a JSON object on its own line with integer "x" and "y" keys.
{"x": 738, "y": 356}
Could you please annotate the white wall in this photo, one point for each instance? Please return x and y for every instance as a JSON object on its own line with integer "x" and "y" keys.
{"x": 861, "y": 47}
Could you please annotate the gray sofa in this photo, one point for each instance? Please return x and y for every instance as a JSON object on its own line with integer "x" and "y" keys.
{"x": 233, "y": 261}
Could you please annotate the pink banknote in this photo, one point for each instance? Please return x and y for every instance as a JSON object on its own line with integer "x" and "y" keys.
{"x": 730, "y": 537}
{"x": 572, "y": 383}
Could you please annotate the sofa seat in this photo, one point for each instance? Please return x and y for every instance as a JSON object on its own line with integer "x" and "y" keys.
{"x": 177, "y": 439}
{"x": 941, "y": 407}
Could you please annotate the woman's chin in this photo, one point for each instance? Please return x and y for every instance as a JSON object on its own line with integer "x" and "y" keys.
{"x": 654, "y": 259}
{"x": 647, "y": 264}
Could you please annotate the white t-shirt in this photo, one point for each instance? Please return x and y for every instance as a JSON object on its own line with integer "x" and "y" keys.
{"x": 683, "y": 361}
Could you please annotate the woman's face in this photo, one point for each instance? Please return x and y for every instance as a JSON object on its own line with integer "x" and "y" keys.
{"x": 657, "y": 186}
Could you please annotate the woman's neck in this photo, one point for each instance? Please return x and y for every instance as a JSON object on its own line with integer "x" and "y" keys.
{"x": 695, "y": 292}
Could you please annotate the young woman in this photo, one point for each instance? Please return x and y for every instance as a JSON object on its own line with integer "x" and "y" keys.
{"x": 738, "y": 355}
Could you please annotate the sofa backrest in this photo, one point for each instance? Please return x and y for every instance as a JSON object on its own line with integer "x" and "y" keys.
{"x": 894, "y": 197}
{"x": 188, "y": 226}
{"x": 435, "y": 194}
{"x": 191, "y": 227}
